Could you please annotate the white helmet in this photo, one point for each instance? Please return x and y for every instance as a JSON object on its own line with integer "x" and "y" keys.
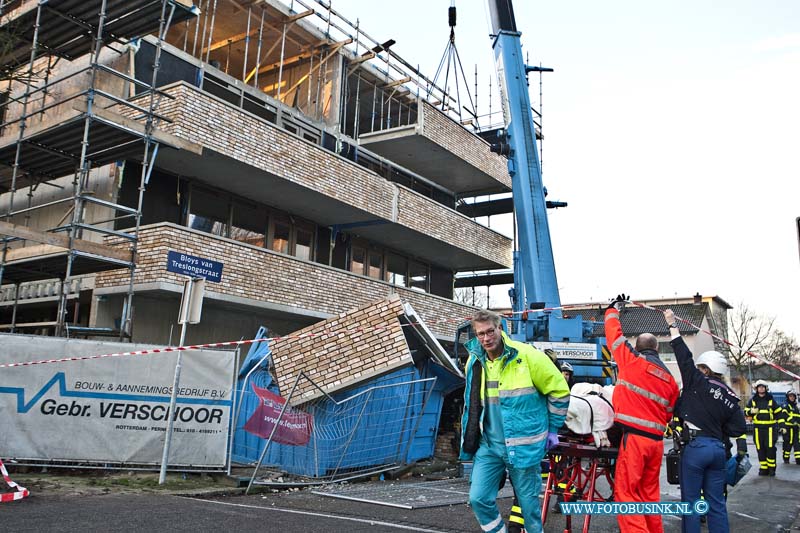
{"x": 761, "y": 382}
{"x": 715, "y": 361}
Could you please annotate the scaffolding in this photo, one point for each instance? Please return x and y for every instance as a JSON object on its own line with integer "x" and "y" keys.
{"x": 266, "y": 45}
{"x": 61, "y": 125}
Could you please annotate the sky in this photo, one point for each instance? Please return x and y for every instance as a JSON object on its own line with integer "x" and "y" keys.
{"x": 672, "y": 129}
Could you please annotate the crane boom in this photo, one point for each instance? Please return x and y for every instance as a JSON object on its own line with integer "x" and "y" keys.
{"x": 534, "y": 260}
{"x": 535, "y": 281}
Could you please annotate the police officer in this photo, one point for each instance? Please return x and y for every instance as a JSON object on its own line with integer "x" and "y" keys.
{"x": 711, "y": 414}
{"x": 791, "y": 428}
{"x": 766, "y": 415}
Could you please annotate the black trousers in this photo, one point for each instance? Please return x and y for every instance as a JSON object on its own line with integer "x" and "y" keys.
{"x": 791, "y": 439}
{"x": 765, "y": 437}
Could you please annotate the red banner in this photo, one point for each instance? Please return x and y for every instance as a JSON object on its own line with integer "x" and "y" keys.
{"x": 294, "y": 427}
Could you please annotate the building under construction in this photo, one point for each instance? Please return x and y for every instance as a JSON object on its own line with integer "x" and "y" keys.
{"x": 314, "y": 169}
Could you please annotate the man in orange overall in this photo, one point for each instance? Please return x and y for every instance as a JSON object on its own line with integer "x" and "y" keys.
{"x": 644, "y": 398}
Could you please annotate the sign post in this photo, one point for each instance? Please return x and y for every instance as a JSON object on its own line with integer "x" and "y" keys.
{"x": 191, "y": 308}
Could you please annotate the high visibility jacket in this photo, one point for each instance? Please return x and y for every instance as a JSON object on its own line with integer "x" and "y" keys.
{"x": 533, "y": 398}
{"x": 764, "y": 410}
{"x": 645, "y": 392}
{"x": 791, "y": 414}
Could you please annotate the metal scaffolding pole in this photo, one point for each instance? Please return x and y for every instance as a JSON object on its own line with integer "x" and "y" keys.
{"x": 280, "y": 67}
{"x": 196, "y": 32}
{"x": 258, "y": 52}
{"x": 148, "y": 162}
{"x": 246, "y": 44}
{"x": 211, "y": 31}
{"x": 82, "y": 177}
{"x": 24, "y": 112}
{"x": 81, "y": 254}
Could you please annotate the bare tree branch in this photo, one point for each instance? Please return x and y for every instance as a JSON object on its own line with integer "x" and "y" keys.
{"x": 748, "y": 331}
{"x": 783, "y": 350}
{"x": 469, "y": 296}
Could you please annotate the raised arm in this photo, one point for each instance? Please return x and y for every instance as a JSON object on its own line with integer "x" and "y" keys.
{"x": 620, "y": 348}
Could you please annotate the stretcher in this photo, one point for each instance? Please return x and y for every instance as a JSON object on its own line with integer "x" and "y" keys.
{"x": 576, "y": 465}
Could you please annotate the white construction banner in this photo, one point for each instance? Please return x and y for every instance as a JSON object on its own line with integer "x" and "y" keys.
{"x": 116, "y": 409}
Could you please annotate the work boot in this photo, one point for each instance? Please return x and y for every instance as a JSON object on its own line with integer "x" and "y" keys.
{"x": 797, "y": 461}
{"x": 772, "y": 471}
{"x": 763, "y": 472}
{"x": 786, "y": 461}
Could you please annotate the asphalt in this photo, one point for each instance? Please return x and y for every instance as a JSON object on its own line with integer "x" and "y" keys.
{"x": 757, "y": 504}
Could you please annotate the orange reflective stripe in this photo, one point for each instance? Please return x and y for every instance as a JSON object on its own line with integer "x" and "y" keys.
{"x": 642, "y": 422}
{"x": 646, "y": 393}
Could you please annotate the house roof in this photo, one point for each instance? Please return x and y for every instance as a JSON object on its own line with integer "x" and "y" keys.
{"x": 636, "y": 320}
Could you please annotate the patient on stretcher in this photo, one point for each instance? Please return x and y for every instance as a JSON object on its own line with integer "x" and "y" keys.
{"x": 590, "y": 413}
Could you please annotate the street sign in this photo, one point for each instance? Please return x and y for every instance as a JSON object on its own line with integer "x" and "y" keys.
{"x": 196, "y": 267}
{"x": 192, "y": 301}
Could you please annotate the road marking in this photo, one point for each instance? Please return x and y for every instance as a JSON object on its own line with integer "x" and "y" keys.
{"x": 746, "y": 515}
{"x": 325, "y": 515}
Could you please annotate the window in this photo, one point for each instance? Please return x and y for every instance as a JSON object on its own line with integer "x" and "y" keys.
{"x": 389, "y": 266}
{"x": 209, "y": 212}
{"x": 396, "y": 266}
{"x": 418, "y": 276}
{"x": 375, "y": 264}
{"x": 281, "y": 233}
{"x": 221, "y": 214}
{"x": 357, "y": 259}
{"x": 249, "y": 223}
{"x": 288, "y": 236}
{"x": 664, "y": 347}
{"x": 304, "y": 239}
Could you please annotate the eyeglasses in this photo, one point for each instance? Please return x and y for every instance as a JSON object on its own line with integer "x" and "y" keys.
{"x": 488, "y": 333}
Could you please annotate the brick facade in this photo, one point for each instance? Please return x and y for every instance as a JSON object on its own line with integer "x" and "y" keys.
{"x": 262, "y": 275}
{"x": 228, "y": 130}
{"x": 451, "y": 136}
{"x": 343, "y": 350}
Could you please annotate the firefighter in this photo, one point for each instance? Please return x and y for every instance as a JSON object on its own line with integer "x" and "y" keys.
{"x": 711, "y": 415}
{"x": 515, "y": 400}
{"x": 568, "y": 372}
{"x": 766, "y": 415}
{"x": 791, "y": 428}
{"x": 644, "y": 398}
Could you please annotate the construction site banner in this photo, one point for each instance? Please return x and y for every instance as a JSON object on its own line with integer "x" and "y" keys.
{"x": 115, "y": 410}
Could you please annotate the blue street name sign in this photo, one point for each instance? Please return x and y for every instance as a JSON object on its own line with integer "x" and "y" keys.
{"x": 197, "y": 267}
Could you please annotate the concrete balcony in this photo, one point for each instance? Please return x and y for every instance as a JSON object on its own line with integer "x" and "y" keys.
{"x": 283, "y": 291}
{"x": 442, "y": 151}
{"x": 249, "y": 156}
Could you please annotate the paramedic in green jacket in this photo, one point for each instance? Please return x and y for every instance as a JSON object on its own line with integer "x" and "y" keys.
{"x": 515, "y": 400}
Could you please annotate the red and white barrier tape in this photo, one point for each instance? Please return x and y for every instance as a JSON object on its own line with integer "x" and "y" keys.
{"x": 726, "y": 342}
{"x": 168, "y": 349}
{"x": 331, "y": 333}
{"x": 19, "y": 492}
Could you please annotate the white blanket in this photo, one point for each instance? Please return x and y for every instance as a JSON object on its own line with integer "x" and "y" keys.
{"x": 590, "y": 411}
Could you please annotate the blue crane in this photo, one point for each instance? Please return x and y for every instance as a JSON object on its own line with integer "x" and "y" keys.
{"x": 535, "y": 281}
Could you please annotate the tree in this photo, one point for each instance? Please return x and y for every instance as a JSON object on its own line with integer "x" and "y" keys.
{"x": 471, "y": 296}
{"x": 748, "y": 331}
{"x": 783, "y": 350}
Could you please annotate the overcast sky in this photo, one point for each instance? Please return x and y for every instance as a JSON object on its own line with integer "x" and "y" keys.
{"x": 671, "y": 128}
